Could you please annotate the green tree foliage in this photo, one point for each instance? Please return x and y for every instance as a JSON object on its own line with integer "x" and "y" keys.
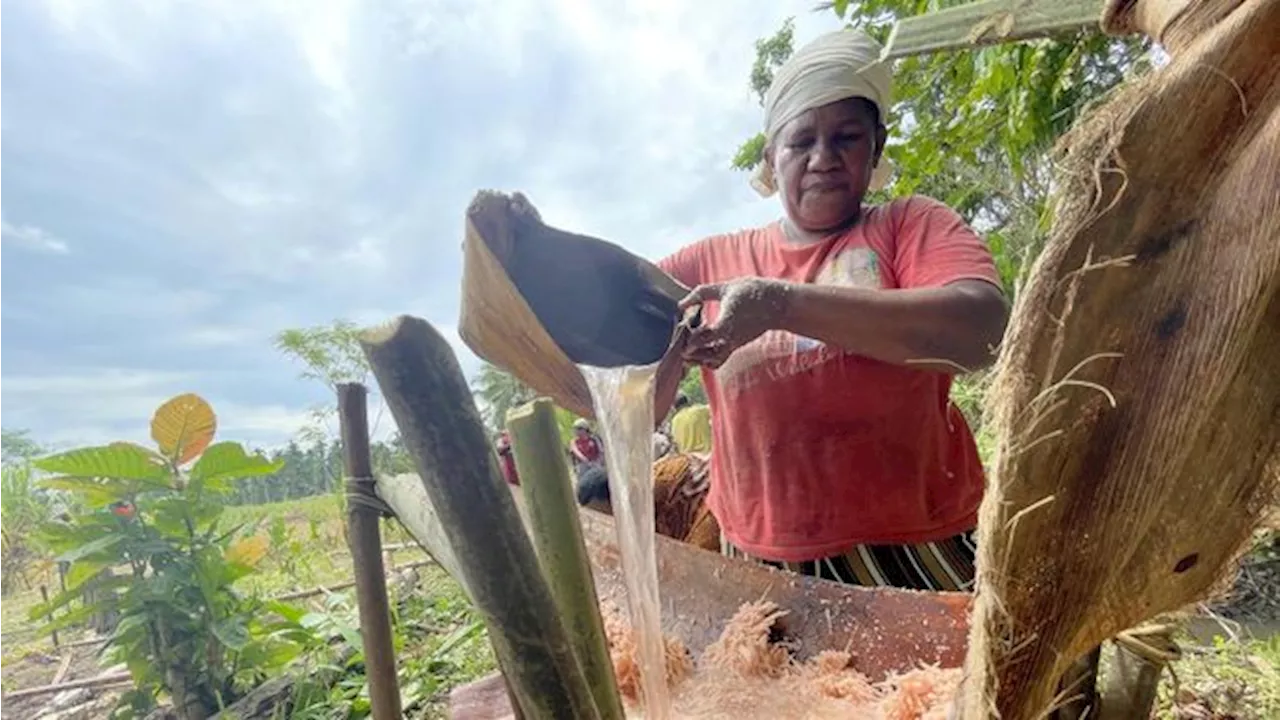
{"x": 312, "y": 468}
{"x": 182, "y": 629}
{"x": 691, "y": 385}
{"x": 16, "y": 446}
{"x": 330, "y": 353}
{"x": 23, "y": 507}
{"x": 499, "y": 391}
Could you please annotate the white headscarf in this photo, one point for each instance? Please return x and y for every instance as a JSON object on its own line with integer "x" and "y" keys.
{"x": 837, "y": 66}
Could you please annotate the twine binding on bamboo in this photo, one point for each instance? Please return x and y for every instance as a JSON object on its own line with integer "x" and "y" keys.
{"x": 363, "y": 492}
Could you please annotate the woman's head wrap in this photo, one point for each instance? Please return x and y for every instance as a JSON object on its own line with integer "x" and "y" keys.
{"x": 836, "y": 66}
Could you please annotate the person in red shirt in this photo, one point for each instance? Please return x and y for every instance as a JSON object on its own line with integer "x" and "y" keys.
{"x": 828, "y": 343}
{"x": 507, "y": 459}
{"x": 585, "y": 448}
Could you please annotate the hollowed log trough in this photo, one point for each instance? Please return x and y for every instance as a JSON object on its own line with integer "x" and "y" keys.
{"x": 886, "y": 630}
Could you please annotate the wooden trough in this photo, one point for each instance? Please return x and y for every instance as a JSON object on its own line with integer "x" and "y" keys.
{"x": 886, "y": 630}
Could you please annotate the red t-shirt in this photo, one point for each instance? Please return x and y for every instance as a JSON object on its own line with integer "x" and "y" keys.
{"x": 588, "y": 447}
{"x": 508, "y": 461}
{"x": 818, "y": 449}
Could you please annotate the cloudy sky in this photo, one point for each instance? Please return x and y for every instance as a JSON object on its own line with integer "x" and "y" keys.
{"x": 185, "y": 178}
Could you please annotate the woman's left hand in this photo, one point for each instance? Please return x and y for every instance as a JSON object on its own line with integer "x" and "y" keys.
{"x": 748, "y": 308}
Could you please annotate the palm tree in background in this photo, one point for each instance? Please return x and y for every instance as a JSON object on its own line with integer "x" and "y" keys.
{"x": 499, "y": 391}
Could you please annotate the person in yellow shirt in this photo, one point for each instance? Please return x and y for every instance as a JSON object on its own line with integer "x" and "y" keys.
{"x": 691, "y": 426}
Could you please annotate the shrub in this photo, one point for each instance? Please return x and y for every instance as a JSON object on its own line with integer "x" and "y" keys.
{"x": 182, "y": 628}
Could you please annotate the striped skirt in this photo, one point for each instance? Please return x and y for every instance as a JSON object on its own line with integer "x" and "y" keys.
{"x": 943, "y": 565}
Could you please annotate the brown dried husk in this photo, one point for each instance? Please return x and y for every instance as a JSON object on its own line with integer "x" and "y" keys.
{"x": 497, "y": 322}
{"x": 498, "y": 325}
{"x": 1137, "y": 397}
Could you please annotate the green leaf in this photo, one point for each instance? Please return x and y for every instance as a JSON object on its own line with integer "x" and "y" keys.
{"x": 288, "y": 612}
{"x": 232, "y": 632}
{"x": 460, "y": 635}
{"x": 121, "y": 461}
{"x": 70, "y": 595}
{"x": 229, "y": 460}
{"x": 93, "y": 492}
{"x": 84, "y": 571}
{"x": 75, "y": 617}
{"x": 351, "y": 635}
{"x": 91, "y": 548}
{"x": 750, "y": 154}
{"x": 841, "y": 7}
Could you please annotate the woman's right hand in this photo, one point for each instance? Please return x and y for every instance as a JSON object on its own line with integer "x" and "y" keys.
{"x": 749, "y": 307}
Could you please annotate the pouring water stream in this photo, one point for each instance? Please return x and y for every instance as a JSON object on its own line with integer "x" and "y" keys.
{"x": 623, "y": 400}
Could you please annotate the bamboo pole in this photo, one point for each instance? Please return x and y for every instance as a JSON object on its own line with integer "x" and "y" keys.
{"x": 407, "y": 497}
{"x": 304, "y": 594}
{"x": 433, "y": 408}
{"x": 365, "y": 539}
{"x": 1138, "y": 659}
{"x": 990, "y": 22}
{"x": 101, "y": 681}
{"x": 63, "y": 668}
{"x": 557, "y": 538}
{"x": 44, "y": 596}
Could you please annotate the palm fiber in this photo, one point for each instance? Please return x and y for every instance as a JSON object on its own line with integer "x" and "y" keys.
{"x": 1137, "y": 397}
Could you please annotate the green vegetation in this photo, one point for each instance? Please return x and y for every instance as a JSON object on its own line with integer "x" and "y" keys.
{"x": 1225, "y": 678}
{"x": 23, "y": 507}
{"x": 179, "y": 626}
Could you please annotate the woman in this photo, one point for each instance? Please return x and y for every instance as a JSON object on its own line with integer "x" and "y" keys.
{"x": 829, "y": 341}
{"x": 585, "y": 449}
{"x": 507, "y": 459}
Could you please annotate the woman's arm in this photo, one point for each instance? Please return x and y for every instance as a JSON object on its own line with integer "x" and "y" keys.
{"x": 953, "y": 329}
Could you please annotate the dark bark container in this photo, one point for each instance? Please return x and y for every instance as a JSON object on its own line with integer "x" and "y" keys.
{"x": 538, "y": 301}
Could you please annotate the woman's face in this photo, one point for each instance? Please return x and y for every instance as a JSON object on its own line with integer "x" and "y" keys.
{"x": 823, "y": 161}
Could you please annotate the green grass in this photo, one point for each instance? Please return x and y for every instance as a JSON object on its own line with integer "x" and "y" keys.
{"x": 1238, "y": 678}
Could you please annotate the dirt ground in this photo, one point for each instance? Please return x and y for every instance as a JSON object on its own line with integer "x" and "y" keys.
{"x": 38, "y": 666}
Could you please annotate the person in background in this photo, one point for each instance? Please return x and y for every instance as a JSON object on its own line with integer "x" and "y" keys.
{"x": 586, "y": 448}
{"x": 506, "y": 459}
{"x": 691, "y": 426}
{"x": 829, "y": 340}
{"x": 661, "y": 445}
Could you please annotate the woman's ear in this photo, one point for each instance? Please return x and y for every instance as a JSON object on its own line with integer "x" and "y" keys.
{"x": 882, "y": 137}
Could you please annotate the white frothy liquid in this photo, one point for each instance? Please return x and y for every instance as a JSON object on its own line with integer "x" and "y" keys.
{"x": 623, "y": 399}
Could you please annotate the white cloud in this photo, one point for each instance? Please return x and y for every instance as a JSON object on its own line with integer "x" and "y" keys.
{"x": 236, "y": 421}
{"x": 30, "y": 237}
{"x": 230, "y": 169}
{"x": 90, "y": 406}
{"x": 84, "y": 385}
